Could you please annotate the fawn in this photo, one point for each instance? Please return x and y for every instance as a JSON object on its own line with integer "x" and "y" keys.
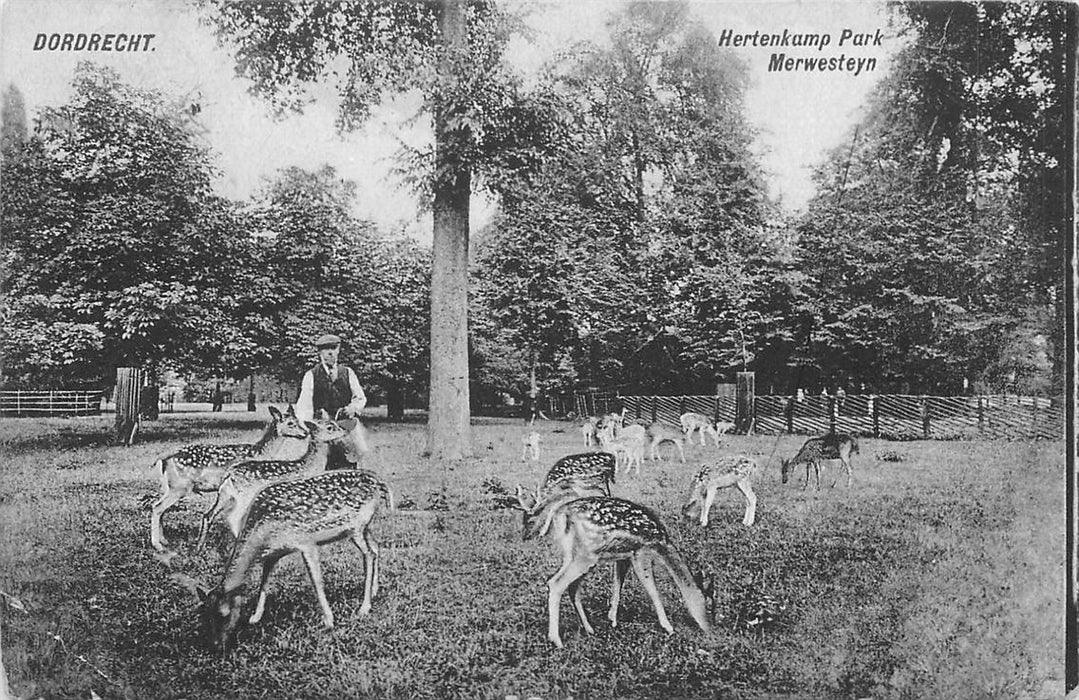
{"x": 600, "y": 528}
{"x": 587, "y": 472}
{"x": 589, "y": 430}
{"x": 692, "y": 422}
{"x": 244, "y": 479}
{"x": 832, "y": 446}
{"x": 201, "y": 468}
{"x": 297, "y": 516}
{"x": 628, "y": 449}
{"x": 719, "y": 474}
{"x": 659, "y": 433}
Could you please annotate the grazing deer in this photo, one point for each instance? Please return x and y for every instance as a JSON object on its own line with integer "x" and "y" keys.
{"x": 244, "y": 479}
{"x": 599, "y": 528}
{"x": 720, "y": 474}
{"x": 297, "y": 516}
{"x": 588, "y": 473}
{"x": 628, "y": 449}
{"x": 833, "y": 446}
{"x": 659, "y": 433}
{"x": 692, "y": 422}
{"x": 201, "y": 468}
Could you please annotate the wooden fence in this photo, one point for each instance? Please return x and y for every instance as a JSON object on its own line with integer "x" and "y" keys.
{"x": 50, "y": 403}
{"x": 890, "y": 416}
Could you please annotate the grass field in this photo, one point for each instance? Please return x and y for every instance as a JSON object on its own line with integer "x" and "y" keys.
{"x": 939, "y": 575}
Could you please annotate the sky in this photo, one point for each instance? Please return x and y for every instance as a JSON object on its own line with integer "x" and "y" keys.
{"x": 800, "y": 115}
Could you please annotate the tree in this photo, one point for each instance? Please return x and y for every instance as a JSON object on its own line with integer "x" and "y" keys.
{"x": 450, "y": 51}
{"x": 634, "y": 214}
{"x": 114, "y": 241}
{"x": 923, "y": 244}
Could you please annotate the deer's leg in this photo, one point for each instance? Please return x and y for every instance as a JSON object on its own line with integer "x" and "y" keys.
{"x": 370, "y": 568}
{"x": 572, "y": 569}
{"x": 751, "y": 501}
{"x": 267, "y": 567}
{"x": 168, "y": 500}
{"x": 642, "y": 566}
{"x": 219, "y": 505}
{"x": 681, "y": 451}
{"x": 621, "y": 568}
{"x": 816, "y": 473}
{"x": 806, "y": 484}
{"x": 709, "y": 498}
{"x": 314, "y": 568}
{"x": 574, "y": 589}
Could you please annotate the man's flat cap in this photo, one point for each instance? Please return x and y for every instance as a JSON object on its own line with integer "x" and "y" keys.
{"x": 328, "y": 341}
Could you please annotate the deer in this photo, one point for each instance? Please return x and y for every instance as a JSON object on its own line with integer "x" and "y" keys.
{"x": 594, "y": 529}
{"x": 720, "y": 474}
{"x": 296, "y": 516}
{"x": 244, "y": 479}
{"x": 832, "y": 446}
{"x": 659, "y": 433}
{"x": 584, "y": 474}
{"x": 589, "y": 429}
{"x": 628, "y": 449}
{"x": 200, "y": 468}
{"x": 693, "y": 422}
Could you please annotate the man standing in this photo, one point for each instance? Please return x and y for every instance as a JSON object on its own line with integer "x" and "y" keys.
{"x": 330, "y": 387}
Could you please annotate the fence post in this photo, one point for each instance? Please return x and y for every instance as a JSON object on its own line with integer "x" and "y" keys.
{"x": 655, "y": 408}
{"x": 681, "y": 406}
{"x": 128, "y": 395}
{"x": 874, "y": 403}
{"x": 789, "y": 412}
{"x": 981, "y": 415}
{"x": 924, "y": 409}
{"x": 832, "y": 408}
{"x": 743, "y": 401}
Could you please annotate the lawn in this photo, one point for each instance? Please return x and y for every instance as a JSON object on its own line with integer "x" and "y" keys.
{"x": 939, "y": 575}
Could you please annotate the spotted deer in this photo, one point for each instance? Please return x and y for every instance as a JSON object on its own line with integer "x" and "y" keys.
{"x": 594, "y": 529}
{"x": 693, "y": 422}
{"x": 658, "y": 433}
{"x": 297, "y": 516}
{"x": 200, "y": 468}
{"x": 833, "y": 446}
{"x": 720, "y": 474}
{"x": 584, "y": 473}
{"x": 628, "y": 449}
{"x": 244, "y": 479}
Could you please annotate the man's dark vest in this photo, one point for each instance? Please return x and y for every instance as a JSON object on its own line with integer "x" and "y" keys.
{"x": 330, "y": 396}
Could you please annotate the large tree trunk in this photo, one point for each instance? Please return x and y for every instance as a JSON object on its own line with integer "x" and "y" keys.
{"x": 448, "y": 430}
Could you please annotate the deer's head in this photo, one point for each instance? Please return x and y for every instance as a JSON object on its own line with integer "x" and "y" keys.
{"x": 287, "y": 424}
{"x": 785, "y": 469}
{"x": 219, "y": 617}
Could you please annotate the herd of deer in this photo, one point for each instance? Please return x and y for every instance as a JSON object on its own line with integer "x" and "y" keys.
{"x": 278, "y": 498}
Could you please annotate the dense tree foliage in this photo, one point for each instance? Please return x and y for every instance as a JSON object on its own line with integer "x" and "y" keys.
{"x": 117, "y": 252}
{"x": 628, "y": 253}
{"x": 934, "y": 243}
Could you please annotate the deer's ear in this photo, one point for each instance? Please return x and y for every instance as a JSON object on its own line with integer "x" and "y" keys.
{"x": 275, "y": 413}
{"x": 291, "y": 412}
{"x": 312, "y": 427}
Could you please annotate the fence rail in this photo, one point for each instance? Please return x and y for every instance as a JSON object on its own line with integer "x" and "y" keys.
{"x": 50, "y": 403}
{"x": 893, "y": 416}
